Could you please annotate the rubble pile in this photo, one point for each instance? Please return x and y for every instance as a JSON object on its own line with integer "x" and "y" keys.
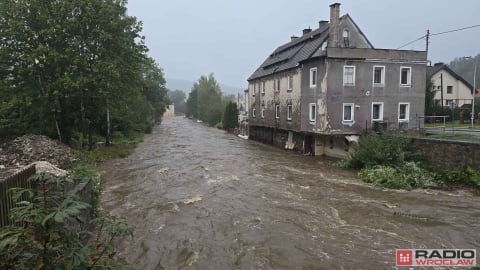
{"x": 31, "y": 148}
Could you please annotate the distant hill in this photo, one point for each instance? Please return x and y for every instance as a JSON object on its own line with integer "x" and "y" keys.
{"x": 186, "y": 86}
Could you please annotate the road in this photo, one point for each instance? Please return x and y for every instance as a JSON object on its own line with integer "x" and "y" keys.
{"x": 198, "y": 198}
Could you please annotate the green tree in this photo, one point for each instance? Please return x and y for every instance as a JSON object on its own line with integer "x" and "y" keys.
{"x": 205, "y": 100}
{"x": 178, "y": 98}
{"x": 192, "y": 104}
{"x": 430, "y": 103}
{"x": 230, "y": 116}
{"x": 69, "y": 66}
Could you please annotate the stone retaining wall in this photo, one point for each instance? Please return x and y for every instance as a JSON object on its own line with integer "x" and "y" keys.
{"x": 448, "y": 154}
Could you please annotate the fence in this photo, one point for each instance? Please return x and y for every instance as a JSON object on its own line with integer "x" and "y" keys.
{"x": 18, "y": 180}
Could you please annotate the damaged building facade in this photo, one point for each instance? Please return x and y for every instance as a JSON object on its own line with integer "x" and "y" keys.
{"x": 321, "y": 90}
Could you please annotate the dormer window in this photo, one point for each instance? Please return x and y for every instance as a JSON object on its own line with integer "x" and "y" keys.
{"x": 346, "y": 38}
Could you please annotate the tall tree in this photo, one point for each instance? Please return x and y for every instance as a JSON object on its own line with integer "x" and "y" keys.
{"x": 230, "y": 116}
{"x": 178, "y": 98}
{"x": 66, "y": 66}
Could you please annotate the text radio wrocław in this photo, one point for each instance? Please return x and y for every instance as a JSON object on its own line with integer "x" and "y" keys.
{"x": 436, "y": 257}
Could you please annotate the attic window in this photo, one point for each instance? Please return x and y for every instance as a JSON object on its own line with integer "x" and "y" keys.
{"x": 346, "y": 38}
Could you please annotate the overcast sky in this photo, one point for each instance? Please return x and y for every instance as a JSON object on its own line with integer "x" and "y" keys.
{"x": 190, "y": 38}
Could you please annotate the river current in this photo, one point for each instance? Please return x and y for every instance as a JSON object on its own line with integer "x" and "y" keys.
{"x": 199, "y": 198}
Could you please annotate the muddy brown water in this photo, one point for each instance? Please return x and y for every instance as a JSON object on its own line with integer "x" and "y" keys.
{"x": 198, "y": 198}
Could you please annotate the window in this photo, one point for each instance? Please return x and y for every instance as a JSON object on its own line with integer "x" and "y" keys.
{"x": 349, "y": 75}
{"x": 405, "y": 76}
{"x": 377, "y": 111}
{"x": 254, "y": 89}
{"x": 312, "y": 112}
{"x": 378, "y": 75}
{"x": 403, "y": 111}
{"x": 262, "y": 113}
{"x": 449, "y": 89}
{"x": 262, "y": 87}
{"x": 347, "y": 112}
{"x": 277, "y": 111}
{"x": 346, "y": 38}
{"x": 253, "y": 112}
{"x": 276, "y": 85}
{"x": 290, "y": 82}
{"x": 450, "y": 103}
{"x": 313, "y": 77}
{"x": 289, "y": 112}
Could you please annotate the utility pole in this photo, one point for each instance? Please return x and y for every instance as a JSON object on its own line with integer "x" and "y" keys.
{"x": 473, "y": 93}
{"x": 428, "y": 41}
{"x": 441, "y": 93}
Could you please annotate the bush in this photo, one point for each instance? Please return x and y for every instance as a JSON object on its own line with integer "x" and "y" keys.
{"x": 407, "y": 176}
{"x": 373, "y": 149}
{"x": 463, "y": 176}
{"x": 47, "y": 235}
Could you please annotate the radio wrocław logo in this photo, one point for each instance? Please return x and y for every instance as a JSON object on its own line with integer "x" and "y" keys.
{"x": 436, "y": 257}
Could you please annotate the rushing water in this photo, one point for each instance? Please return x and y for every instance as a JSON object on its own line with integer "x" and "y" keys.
{"x": 198, "y": 198}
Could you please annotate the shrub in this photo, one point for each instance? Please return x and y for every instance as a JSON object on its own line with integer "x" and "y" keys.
{"x": 46, "y": 234}
{"x": 407, "y": 176}
{"x": 385, "y": 149}
{"x": 464, "y": 176}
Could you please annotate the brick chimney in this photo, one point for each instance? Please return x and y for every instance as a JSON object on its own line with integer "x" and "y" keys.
{"x": 334, "y": 21}
{"x": 292, "y": 38}
{"x": 322, "y": 24}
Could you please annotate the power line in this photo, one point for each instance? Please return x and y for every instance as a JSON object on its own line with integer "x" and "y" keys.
{"x": 456, "y": 30}
{"x": 413, "y": 41}
{"x": 437, "y": 34}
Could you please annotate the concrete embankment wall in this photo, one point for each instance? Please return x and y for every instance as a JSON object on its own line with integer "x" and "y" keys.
{"x": 448, "y": 154}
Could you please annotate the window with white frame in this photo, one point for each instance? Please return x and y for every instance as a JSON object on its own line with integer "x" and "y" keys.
{"x": 262, "y": 112}
{"x": 254, "y": 89}
{"x": 348, "y": 112}
{"x": 253, "y": 112}
{"x": 289, "y": 111}
{"x": 290, "y": 82}
{"x": 378, "y": 75}
{"x": 277, "y": 111}
{"x": 262, "y": 87}
{"x": 403, "y": 112}
{"x": 313, "y": 77}
{"x": 377, "y": 111}
{"x": 349, "y": 75}
{"x": 405, "y": 76}
{"x": 277, "y": 85}
{"x": 312, "y": 112}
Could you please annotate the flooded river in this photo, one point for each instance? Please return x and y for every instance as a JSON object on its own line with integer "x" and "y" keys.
{"x": 198, "y": 198}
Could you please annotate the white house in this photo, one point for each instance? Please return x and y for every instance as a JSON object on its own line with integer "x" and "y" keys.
{"x": 457, "y": 92}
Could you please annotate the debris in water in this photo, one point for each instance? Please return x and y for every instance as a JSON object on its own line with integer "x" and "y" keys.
{"x": 192, "y": 200}
{"x": 163, "y": 170}
{"x": 389, "y": 205}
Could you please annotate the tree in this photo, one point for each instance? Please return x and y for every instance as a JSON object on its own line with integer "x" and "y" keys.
{"x": 192, "y": 104}
{"x": 230, "y": 116}
{"x": 430, "y": 103}
{"x": 67, "y": 66}
{"x": 178, "y": 98}
{"x": 205, "y": 100}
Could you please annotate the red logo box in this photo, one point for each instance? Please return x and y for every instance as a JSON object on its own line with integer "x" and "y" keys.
{"x": 404, "y": 257}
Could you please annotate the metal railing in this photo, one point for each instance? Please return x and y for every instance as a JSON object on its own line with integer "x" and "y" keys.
{"x": 18, "y": 180}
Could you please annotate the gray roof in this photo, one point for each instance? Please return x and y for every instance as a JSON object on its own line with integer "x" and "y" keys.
{"x": 441, "y": 66}
{"x": 289, "y": 55}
